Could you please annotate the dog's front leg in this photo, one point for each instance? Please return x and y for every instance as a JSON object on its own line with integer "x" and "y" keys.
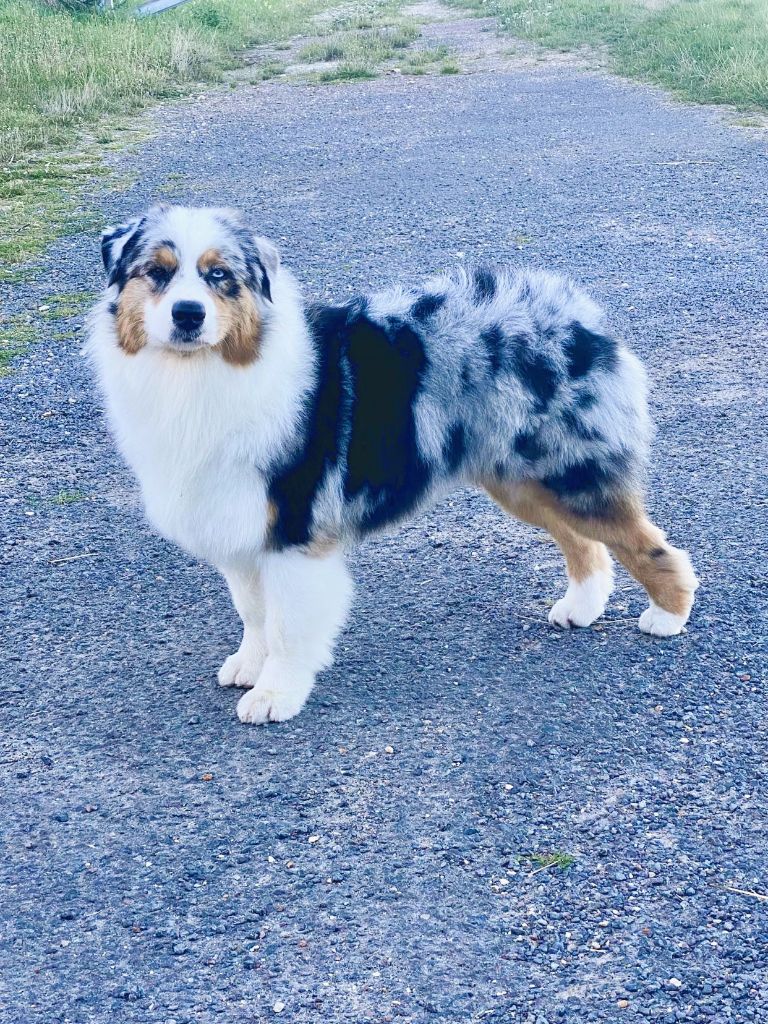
{"x": 243, "y": 668}
{"x": 307, "y": 599}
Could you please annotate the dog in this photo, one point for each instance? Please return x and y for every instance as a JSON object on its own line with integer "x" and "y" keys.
{"x": 269, "y": 435}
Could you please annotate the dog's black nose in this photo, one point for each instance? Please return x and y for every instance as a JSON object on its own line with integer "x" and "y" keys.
{"x": 188, "y": 315}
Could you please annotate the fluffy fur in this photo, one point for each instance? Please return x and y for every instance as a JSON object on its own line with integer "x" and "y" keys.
{"x": 268, "y": 435}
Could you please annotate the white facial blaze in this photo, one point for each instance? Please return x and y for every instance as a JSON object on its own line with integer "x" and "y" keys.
{"x": 191, "y": 237}
{"x": 186, "y": 286}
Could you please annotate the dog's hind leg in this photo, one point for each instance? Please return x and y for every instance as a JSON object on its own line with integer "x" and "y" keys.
{"x": 590, "y": 572}
{"x": 665, "y": 571}
{"x": 641, "y": 547}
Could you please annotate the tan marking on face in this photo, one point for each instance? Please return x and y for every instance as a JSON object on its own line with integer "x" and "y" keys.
{"x": 211, "y": 258}
{"x": 239, "y": 328}
{"x": 131, "y": 333}
{"x": 166, "y": 258}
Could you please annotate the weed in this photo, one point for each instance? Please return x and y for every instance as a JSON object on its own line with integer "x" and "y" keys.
{"x": 16, "y": 335}
{"x": 65, "y": 304}
{"x": 553, "y": 859}
{"x": 69, "y": 497}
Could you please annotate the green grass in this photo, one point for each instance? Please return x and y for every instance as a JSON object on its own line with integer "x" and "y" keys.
{"x": 366, "y": 14}
{"x": 348, "y": 73}
{"x": 59, "y": 71}
{"x": 364, "y": 48}
{"x": 69, "y": 82}
{"x": 65, "y": 304}
{"x": 69, "y": 497}
{"x": 710, "y": 51}
{"x": 273, "y": 69}
{"x": 554, "y": 859}
{"x": 419, "y": 62}
{"x": 17, "y": 333}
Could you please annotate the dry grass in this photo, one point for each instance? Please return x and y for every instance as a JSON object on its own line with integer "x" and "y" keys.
{"x": 64, "y": 75}
{"x": 711, "y": 51}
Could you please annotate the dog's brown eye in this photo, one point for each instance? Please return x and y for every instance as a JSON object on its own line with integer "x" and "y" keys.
{"x": 159, "y": 273}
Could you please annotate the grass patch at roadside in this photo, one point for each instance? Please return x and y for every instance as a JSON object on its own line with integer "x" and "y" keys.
{"x": 69, "y": 497}
{"x": 17, "y": 333}
{"x": 65, "y": 304}
{"x": 348, "y": 73}
{"x": 710, "y": 51}
{"x": 419, "y": 62}
{"x": 68, "y": 82}
{"x": 365, "y": 48}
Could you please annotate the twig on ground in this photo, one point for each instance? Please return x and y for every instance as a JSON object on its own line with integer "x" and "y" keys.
{"x": 747, "y": 892}
{"x": 72, "y": 558}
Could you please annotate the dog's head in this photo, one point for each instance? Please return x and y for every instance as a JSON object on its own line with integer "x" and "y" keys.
{"x": 189, "y": 280}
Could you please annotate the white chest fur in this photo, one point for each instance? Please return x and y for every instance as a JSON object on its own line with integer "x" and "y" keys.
{"x": 198, "y": 434}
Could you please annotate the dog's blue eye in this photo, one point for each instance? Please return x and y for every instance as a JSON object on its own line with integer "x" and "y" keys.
{"x": 217, "y": 274}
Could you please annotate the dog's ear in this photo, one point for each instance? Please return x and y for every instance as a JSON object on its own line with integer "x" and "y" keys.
{"x": 262, "y": 256}
{"x": 268, "y": 260}
{"x": 114, "y": 241}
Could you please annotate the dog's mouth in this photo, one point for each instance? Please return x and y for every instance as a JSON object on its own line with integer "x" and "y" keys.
{"x": 186, "y": 342}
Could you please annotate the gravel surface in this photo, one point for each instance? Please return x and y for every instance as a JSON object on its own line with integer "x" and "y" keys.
{"x": 371, "y": 860}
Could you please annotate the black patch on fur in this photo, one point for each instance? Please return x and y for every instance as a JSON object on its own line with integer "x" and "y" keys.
{"x": 120, "y": 272}
{"x": 529, "y": 447}
{"x": 427, "y": 306}
{"x": 591, "y": 486}
{"x": 578, "y": 427}
{"x": 455, "y": 447}
{"x": 266, "y": 286}
{"x": 657, "y": 552}
{"x": 108, "y": 240}
{"x": 586, "y": 400}
{"x": 257, "y": 277}
{"x": 493, "y": 340}
{"x": 586, "y": 351}
{"x": 387, "y": 363}
{"x": 294, "y": 484}
{"x": 112, "y": 309}
{"x": 534, "y": 371}
{"x": 484, "y": 284}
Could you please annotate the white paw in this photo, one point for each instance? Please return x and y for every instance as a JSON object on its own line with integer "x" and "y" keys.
{"x": 583, "y": 602}
{"x": 657, "y": 622}
{"x": 280, "y": 693}
{"x": 242, "y": 669}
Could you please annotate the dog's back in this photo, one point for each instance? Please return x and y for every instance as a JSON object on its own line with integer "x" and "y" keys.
{"x": 478, "y": 376}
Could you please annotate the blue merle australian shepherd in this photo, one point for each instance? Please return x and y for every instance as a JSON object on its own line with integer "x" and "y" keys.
{"x": 268, "y": 435}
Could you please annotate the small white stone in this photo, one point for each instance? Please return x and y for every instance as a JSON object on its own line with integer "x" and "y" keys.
{"x": 278, "y": 1007}
{"x": 314, "y": 839}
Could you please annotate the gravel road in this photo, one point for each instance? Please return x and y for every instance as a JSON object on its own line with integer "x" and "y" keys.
{"x": 379, "y": 858}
